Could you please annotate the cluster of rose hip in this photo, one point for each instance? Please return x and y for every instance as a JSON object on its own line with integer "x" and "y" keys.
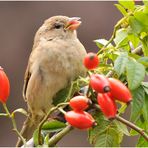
{"x": 108, "y": 91}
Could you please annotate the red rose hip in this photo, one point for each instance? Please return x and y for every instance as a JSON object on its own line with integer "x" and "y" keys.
{"x": 119, "y": 91}
{"x": 107, "y": 105}
{"x": 91, "y": 61}
{"x": 4, "y": 86}
{"x": 79, "y": 119}
{"x": 79, "y": 103}
{"x": 99, "y": 83}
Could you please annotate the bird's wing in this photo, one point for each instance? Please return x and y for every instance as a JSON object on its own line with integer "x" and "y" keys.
{"x": 26, "y": 80}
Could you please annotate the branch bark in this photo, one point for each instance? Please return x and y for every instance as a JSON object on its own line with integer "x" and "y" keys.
{"x": 133, "y": 126}
{"x": 129, "y": 124}
{"x": 56, "y": 138}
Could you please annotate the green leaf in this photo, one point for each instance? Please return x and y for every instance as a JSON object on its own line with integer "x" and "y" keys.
{"x": 106, "y": 133}
{"x": 141, "y": 17}
{"x": 134, "y": 39}
{"x": 144, "y": 61}
{"x": 65, "y": 94}
{"x": 121, "y": 9}
{"x": 135, "y": 74}
{"x": 121, "y": 35}
{"x": 122, "y": 127}
{"x": 135, "y": 25}
{"x": 145, "y": 10}
{"x": 53, "y": 125}
{"x": 122, "y": 108}
{"x": 145, "y": 45}
{"x": 127, "y": 4}
{"x": 137, "y": 104}
{"x": 120, "y": 63}
{"x": 145, "y": 2}
{"x": 145, "y": 110}
{"x": 35, "y": 137}
{"x": 61, "y": 96}
{"x": 142, "y": 142}
{"x": 102, "y": 42}
{"x": 145, "y": 87}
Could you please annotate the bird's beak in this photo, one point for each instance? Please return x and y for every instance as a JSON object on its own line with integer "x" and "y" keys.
{"x": 73, "y": 23}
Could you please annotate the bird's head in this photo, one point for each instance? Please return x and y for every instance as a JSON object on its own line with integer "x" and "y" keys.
{"x": 60, "y": 27}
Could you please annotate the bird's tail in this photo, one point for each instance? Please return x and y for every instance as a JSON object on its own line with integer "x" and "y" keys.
{"x": 28, "y": 128}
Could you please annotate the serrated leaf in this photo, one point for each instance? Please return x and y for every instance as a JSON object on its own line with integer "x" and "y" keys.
{"x": 135, "y": 74}
{"x": 145, "y": 46}
{"x": 61, "y": 96}
{"x": 120, "y": 63}
{"x": 145, "y": 2}
{"x": 129, "y": 4}
{"x": 121, "y": 9}
{"x": 141, "y": 17}
{"x": 145, "y": 87}
{"x": 122, "y": 127}
{"x": 20, "y": 110}
{"x": 105, "y": 134}
{"x": 121, "y": 35}
{"x": 136, "y": 26}
{"x": 137, "y": 104}
{"x": 134, "y": 39}
{"x": 102, "y": 42}
{"x": 65, "y": 94}
{"x": 145, "y": 110}
{"x": 53, "y": 125}
{"x": 144, "y": 61}
{"x": 46, "y": 139}
{"x": 35, "y": 137}
{"x": 142, "y": 142}
{"x": 122, "y": 108}
{"x": 145, "y": 10}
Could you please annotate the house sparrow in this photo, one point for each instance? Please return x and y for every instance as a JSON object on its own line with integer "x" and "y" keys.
{"x": 55, "y": 61}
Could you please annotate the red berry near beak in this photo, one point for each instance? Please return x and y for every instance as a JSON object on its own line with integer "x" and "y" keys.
{"x": 79, "y": 103}
{"x": 91, "y": 61}
{"x": 4, "y": 86}
{"x": 107, "y": 105}
{"x": 80, "y": 120}
{"x": 119, "y": 91}
{"x": 99, "y": 83}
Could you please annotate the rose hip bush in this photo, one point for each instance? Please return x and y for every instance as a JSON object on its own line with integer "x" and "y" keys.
{"x": 115, "y": 81}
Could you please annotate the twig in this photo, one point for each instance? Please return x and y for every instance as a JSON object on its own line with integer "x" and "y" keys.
{"x": 109, "y": 74}
{"x": 114, "y": 32}
{"x": 129, "y": 124}
{"x": 56, "y": 138}
{"x": 133, "y": 126}
{"x": 111, "y": 39}
{"x": 137, "y": 50}
{"x": 45, "y": 118}
{"x": 14, "y": 123}
{"x": 3, "y": 114}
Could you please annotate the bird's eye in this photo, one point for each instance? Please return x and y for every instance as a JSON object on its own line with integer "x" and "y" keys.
{"x": 57, "y": 26}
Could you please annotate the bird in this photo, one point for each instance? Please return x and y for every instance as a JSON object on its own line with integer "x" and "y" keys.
{"x": 55, "y": 61}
